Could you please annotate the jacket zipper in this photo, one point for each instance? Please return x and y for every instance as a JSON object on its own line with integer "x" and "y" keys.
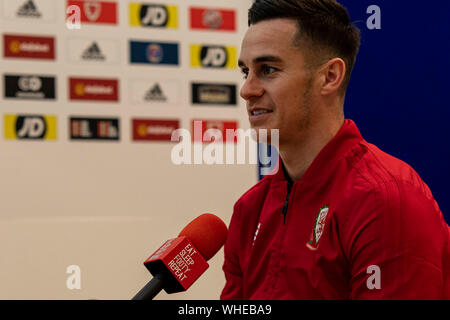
{"x": 286, "y": 201}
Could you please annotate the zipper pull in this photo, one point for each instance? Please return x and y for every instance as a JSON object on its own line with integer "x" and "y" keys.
{"x": 286, "y": 201}
{"x": 285, "y": 207}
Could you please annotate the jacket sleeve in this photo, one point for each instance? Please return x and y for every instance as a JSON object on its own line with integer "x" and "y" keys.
{"x": 233, "y": 289}
{"x": 397, "y": 244}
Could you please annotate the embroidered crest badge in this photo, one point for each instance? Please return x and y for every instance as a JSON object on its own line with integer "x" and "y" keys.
{"x": 319, "y": 226}
{"x": 92, "y": 10}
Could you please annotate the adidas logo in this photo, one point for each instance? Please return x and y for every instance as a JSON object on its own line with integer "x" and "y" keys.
{"x": 28, "y": 9}
{"x": 155, "y": 94}
{"x": 93, "y": 53}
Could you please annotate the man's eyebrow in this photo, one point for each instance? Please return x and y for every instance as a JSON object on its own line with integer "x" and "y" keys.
{"x": 260, "y": 59}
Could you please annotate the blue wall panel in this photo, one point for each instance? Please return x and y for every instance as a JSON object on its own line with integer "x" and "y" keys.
{"x": 399, "y": 91}
{"x": 400, "y": 87}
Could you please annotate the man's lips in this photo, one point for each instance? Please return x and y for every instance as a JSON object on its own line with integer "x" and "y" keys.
{"x": 258, "y": 111}
{"x": 258, "y": 114}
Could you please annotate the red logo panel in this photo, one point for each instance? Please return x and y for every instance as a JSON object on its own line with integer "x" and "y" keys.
{"x": 204, "y": 125}
{"x": 96, "y": 11}
{"x": 94, "y": 89}
{"x": 154, "y": 130}
{"x": 213, "y": 19}
{"x": 29, "y": 47}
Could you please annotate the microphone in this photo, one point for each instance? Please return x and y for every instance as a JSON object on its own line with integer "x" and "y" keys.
{"x": 179, "y": 262}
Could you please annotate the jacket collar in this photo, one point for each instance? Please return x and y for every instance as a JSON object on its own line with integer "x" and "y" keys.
{"x": 324, "y": 163}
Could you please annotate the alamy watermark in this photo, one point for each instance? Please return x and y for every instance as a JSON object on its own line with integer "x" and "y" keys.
{"x": 73, "y": 21}
{"x": 191, "y": 150}
{"x": 374, "y": 280}
{"x": 374, "y": 21}
{"x": 74, "y": 280}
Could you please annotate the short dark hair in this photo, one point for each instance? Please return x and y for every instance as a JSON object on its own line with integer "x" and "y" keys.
{"x": 324, "y": 25}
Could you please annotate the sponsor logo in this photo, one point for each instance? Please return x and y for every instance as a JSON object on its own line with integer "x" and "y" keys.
{"x": 92, "y": 10}
{"x": 319, "y": 226}
{"x": 29, "y": 10}
{"x": 155, "y": 94}
{"x": 155, "y": 91}
{"x": 37, "y": 10}
{"x": 101, "y": 12}
{"x": 154, "y": 52}
{"x": 30, "y": 127}
{"x": 153, "y": 15}
{"x": 94, "y": 128}
{"x": 212, "y": 56}
{"x": 17, "y": 46}
{"x": 214, "y": 93}
{"x": 93, "y": 51}
{"x": 154, "y": 130}
{"x": 94, "y": 89}
{"x": 221, "y": 125}
{"x": 212, "y": 19}
{"x": 29, "y": 87}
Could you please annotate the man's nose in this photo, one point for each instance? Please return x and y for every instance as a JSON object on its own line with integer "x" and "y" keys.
{"x": 251, "y": 88}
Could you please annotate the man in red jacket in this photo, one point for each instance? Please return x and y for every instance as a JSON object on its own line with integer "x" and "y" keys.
{"x": 340, "y": 219}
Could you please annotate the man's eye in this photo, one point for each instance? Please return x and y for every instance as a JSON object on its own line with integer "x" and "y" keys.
{"x": 266, "y": 70}
{"x": 244, "y": 72}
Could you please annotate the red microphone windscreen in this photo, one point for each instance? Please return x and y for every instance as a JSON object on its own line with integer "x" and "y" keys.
{"x": 207, "y": 233}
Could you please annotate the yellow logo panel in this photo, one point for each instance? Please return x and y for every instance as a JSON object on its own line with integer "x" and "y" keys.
{"x": 153, "y": 15}
{"x": 212, "y": 56}
{"x": 30, "y": 127}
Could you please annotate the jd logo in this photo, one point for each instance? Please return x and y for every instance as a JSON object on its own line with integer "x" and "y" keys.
{"x": 213, "y": 56}
{"x": 29, "y": 83}
{"x": 30, "y": 127}
{"x": 153, "y": 15}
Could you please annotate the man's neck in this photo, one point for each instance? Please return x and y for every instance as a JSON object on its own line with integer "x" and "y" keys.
{"x": 298, "y": 155}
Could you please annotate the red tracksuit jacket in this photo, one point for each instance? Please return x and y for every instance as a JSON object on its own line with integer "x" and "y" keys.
{"x": 360, "y": 224}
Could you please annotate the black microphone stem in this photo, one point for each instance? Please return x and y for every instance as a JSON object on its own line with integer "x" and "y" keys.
{"x": 151, "y": 289}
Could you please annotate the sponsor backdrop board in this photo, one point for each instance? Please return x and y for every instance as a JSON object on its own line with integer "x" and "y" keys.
{"x": 86, "y": 120}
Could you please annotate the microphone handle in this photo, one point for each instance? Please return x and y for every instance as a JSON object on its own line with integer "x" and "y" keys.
{"x": 151, "y": 289}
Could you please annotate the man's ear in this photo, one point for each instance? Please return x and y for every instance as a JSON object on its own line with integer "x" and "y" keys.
{"x": 332, "y": 75}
